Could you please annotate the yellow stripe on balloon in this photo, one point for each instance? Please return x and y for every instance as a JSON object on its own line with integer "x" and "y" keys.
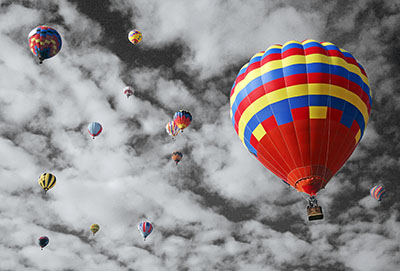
{"x": 326, "y": 43}
{"x": 275, "y": 46}
{"x": 278, "y": 95}
{"x": 291, "y": 42}
{"x": 309, "y": 41}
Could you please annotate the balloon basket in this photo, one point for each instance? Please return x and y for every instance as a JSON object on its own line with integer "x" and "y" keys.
{"x": 314, "y": 213}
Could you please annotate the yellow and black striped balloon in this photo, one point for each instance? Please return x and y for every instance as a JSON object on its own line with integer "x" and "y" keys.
{"x": 47, "y": 181}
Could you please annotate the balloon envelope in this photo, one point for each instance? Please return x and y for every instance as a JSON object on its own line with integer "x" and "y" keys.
{"x": 182, "y": 118}
{"x": 128, "y": 91}
{"x": 377, "y": 192}
{"x": 94, "y": 228}
{"x": 301, "y": 110}
{"x": 145, "y": 228}
{"x": 47, "y": 181}
{"x": 177, "y": 156}
{"x": 43, "y": 241}
{"x": 44, "y": 42}
{"x": 172, "y": 129}
{"x": 135, "y": 36}
{"x": 94, "y": 129}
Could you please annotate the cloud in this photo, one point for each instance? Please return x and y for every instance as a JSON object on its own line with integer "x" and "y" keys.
{"x": 219, "y": 209}
{"x": 215, "y": 32}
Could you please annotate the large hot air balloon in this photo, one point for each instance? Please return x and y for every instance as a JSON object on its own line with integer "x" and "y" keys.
{"x": 145, "y": 228}
{"x": 94, "y": 228}
{"x": 47, "y": 181}
{"x": 172, "y": 129}
{"x": 301, "y": 109}
{"x": 177, "y": 156}
{"x": 45, "y": 42}
{"x": 128, "y": 91}
{"x": 182, "y": 118}
{"x": 135, "y": 36}
{"x": 43, "y": 241}
{"x": 377, "y": 192}
{"x": 95, "y": 129}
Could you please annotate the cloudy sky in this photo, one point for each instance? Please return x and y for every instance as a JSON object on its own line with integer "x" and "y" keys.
{"x": 219, "y": 209}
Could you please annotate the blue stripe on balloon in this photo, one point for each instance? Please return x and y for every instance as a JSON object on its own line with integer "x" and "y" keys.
{"x": 272, "y": 51}
{"x": 347, "y": 54}
{"x": 332, "y": 48}
{"x": 291, "y": 46}
{"x": 313, "y": 44}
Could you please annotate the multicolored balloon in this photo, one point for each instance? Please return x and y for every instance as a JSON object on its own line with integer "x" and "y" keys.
{"x": 172, "y": 129}
{"x": 128, "y": 91}
{"x": 145, "y": 228}
{"x": 43, "y": 241}
{"x": 95, "y": 129}
{"x": 94, "y": 228}
{"x": 177, "y": 156}
{"x": 377, "y": 192}
{"x": 135, "y": 36}
{"x": 301, "y": 110}
{"x": 182, "y": 118}
{"x": 44, "y": 42}
{"x": 47, "y": 181}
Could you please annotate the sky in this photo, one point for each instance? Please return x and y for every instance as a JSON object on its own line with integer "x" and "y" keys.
{"x": 219, "y": 209}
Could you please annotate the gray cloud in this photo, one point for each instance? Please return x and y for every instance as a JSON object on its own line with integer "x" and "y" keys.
{"x": 219, "y": 209}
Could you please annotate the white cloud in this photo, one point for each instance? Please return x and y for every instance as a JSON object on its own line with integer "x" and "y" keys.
{"x": 216, "y": 33}
{"x": 126, "y": 174}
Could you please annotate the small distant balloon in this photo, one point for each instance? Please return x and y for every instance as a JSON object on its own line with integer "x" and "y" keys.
{"x": 43, "y": 241}
{"x": 135, "y": 36}
{"x": 44, "y": 42}
{"x": 182, "y": 119}
{"x": 172, "y": 129}
{"x": 177, "y": 156}
{"x": 128, "y": 91}
{"x": 95, "y": 129}
{"x": 47, "y": 181}
{"x": 377, "y": 192}
{"x": 145, "y": 228}
{"x": 94, "y": 228}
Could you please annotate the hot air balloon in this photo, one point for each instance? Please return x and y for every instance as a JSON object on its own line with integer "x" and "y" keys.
{"x": 172, "y": 129}
{"x": 43, "y": 241}
{"x": 128, "y": 91}
{"x": 177, "y": 156}
{"x": 182, "y": 118}
{"x": 301, "y": 110}
{"x": 145, "y": 228}
{"x": 47, "y": 181}
{"x": 45, "y": 42}
{"x": 377, "y": 192}
{"x": 135, "y": 36}
{"x": 95, "y": 129}
{"x": 94, "y": 228}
